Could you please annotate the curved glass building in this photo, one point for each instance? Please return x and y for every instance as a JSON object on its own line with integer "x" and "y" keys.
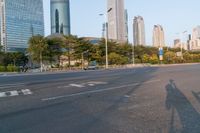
{"x": 60, "y": 17}
{"x": 20, "y": 20}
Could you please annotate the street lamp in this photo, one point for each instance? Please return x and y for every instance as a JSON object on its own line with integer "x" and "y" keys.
{"x": 181, "y": 41}
{"x": 133, "y": 53}
{"x": 106, "y": 35}
{"x": 82, "y": 60}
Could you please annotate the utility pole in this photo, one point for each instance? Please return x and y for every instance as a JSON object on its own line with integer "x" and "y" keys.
{"x": 106, "y": 35}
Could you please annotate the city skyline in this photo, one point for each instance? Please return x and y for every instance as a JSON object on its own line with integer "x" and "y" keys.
{"x": 172, "y": 17}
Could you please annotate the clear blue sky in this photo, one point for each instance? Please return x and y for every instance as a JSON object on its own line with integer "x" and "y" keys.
{"x": 174, "y": 15}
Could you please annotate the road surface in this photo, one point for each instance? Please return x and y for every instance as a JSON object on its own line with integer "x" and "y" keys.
{"x": 139, "y": 100}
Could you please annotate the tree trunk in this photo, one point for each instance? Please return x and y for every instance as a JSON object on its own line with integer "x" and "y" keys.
{"x": 69, "y": 59}
{"x": 41, "y": 64}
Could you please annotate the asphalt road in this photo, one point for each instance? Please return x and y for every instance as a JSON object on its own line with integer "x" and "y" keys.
{"x": 139, "y": 100}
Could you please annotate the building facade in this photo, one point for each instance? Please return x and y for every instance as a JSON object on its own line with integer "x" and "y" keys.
{"x": 139, "y": 31}
{"x": 194, "y": 43}
{"x": 179, "y": 44}
{"x": 117, "y": 29}
{"x": 60, "y": 17}
{"x": 158, "y": 36}
{"x": 20, "y": 20}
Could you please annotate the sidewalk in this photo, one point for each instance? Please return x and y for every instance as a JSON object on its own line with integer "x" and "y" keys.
{"x": 34, "y": 72}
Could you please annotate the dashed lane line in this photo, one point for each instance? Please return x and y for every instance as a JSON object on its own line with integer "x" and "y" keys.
{"x": 5, "y": 86}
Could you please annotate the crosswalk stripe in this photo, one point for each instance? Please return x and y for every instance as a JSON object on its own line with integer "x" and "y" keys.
{"x": 2, "y": 94}
{"x": 26, "y": 92}
{"x": 77, "y": 85}
{"x": 13, "y": 93}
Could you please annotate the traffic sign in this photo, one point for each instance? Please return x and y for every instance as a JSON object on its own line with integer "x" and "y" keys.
{"x": 161, "y": 51}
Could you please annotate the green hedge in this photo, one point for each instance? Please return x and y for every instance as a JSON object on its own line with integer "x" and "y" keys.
{"x": 2, "y": 69}
{"x": 9, "y": 68}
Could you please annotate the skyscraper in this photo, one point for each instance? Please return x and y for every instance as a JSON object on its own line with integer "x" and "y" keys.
{"x": 138, "y": 31}
{"x": 116, "y": 21}
{"x": 194, "y": 43}
{"x": 19, "y": 20}
{"x": 126, "y": 25}
{"x": 60, "y": 17}
{"x": 158, "y": 36}
{"x": 196, "y": 33}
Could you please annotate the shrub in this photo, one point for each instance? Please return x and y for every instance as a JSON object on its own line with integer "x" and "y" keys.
{"x": 11, "y": 68}
{"x": 2, "y": 68}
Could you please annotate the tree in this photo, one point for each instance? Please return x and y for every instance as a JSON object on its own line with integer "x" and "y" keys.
{"x": 55, "y": 48}
{"x": 69, "y": 44}
{"x": 37, "y": 49}
{"x": 169, "y": 57}
{"x": 145, "y": 58}
{"x": 82, "y": 49}
{"x": 116, "y": 59}
{"x": 154, "y": 59}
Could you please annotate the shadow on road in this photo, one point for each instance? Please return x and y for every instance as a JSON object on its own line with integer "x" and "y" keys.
{"x": 180, "y": 106}
{"x": 196, "y": 95}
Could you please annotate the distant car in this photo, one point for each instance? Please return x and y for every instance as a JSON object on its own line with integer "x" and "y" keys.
{"x": 91, "y": 67}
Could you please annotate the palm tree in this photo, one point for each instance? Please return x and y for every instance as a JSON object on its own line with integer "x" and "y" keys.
{"x": 55, "y": 48}
{"x": 37, "y": 47}
{"x": 69, "y": 42}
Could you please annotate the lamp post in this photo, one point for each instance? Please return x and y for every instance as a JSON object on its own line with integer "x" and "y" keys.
{"x": 133, "y": 53}
{"x": 106, "y": 35}
{"x": 181, "y": 41}
{"x": 82, "y": 60}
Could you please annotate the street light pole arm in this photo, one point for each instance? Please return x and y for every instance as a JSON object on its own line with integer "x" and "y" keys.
{"x": 109, "y": 10}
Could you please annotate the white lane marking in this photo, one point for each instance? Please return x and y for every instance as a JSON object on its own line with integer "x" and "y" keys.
{"x": 4, "y": 86}
{"x": 91, "y": 83}
{"x": 96, "y": 82}
{"x": 126, "y": 96}
{"x": 13, "y": 93}
{"x": 63, "y": 86}
{"x": 26, "y": 92}
{"x": 2, "y": 94}
{"x": 96, "y": 91}
{"x": 77, "y": 85}
{"x": 12, "y": 84}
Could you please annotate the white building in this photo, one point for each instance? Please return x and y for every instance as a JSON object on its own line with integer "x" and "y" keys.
{"x": 117, "y": 29}
{"x": 158, "y": 36}
{"x": 139, "y": 31}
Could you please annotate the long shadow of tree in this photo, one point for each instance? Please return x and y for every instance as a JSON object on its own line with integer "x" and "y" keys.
{"x": 176, "y": 101}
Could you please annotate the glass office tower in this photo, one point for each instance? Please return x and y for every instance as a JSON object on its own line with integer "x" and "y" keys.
{"x": 60, "y": 17}
{"x": 19, "y": 20}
